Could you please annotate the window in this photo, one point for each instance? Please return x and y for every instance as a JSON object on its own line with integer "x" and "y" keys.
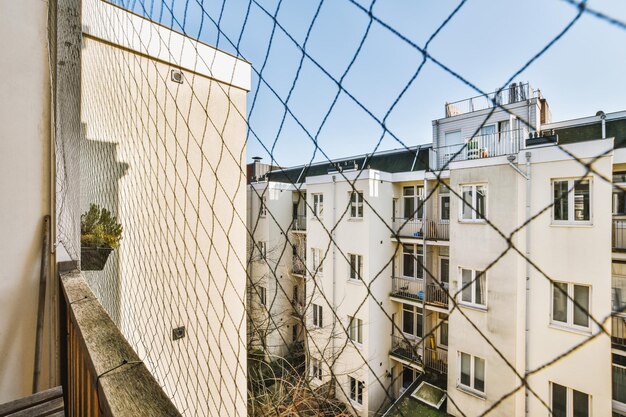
{"x": 571, "y": 201}
{"x": 355, "y": 327}
{"x": 444, "y": 271}
{"x": 619, "y": 201}
{"x": 570, "y": 304}
{"x": 412, "y": 320}
{"x": 619, "y": 378}
{"x": 412, "y": 261}
{"x": 453, "y": 138}
{"x": 356, "y": 390}
{"x": 473, "y": 287}
{"x": 317, "y": 316}
{"x": 444, "y": 206}
{"x": 263, "y": 207}
{"x": 262, "y": 246}
{"x": 472, "y": 373}
{"x": 318, "y": 205}
{"x": 263, "y": 295}
{"x": 409, "y": 375}
{"x": 443, "y": 329}
{"x": 474, "y": 207}
{"x": 567, "y": 402}
{"x": 413, "y": 198}
{"x": 356, "y": 266}
{"x": 318, "y": 265}
{"x": 356, "y": 205}
{"x": 316, "y": 369}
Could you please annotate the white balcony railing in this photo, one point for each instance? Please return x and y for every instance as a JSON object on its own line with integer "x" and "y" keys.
{"x": 408, "y": 227}
{"x": 411, "y": 288}
{"x": 299, "y": 223}
{"x": 619, "y": 235}
{"x": 618, "y": 331}
{"x": 436, "y": 359}
{"x": 404, "y": 348}
{"x": 482, "y": 146}
{"x": 438, "y": 229}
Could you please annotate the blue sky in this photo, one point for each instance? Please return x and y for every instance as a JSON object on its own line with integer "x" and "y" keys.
{"x": 485, "y": 42}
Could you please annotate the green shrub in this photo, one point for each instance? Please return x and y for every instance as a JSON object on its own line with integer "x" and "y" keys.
{"x": 98, "y": 228}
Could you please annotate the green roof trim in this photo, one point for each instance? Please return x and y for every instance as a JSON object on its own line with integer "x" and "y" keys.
{"x": 614, "y": 129}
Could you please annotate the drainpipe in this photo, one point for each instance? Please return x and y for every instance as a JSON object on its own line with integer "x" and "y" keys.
{"x": 603, "y": 119}
{"x": 425, "y": 260}
{"x": 334, "y": 245}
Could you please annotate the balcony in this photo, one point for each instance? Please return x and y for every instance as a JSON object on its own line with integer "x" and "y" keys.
{"x": 298, "y": 265}
{"x": 406, "y": 349}
{"x": 515, "y": 93}
{"x": 436, "y": 296}
{"x": 619, "y": 383}
{"x": 436, "y": 360}
{"x": 299, "y": 223}
{"x": 618, "y": 332}
{"x": 408, "y": 227}
{"x": 481, "y": 146}
{"x": 410, "y": 288}
{"x": 619, "y": 235}
{"x": 438, "y": 229}
{"x": 298, "y": 308}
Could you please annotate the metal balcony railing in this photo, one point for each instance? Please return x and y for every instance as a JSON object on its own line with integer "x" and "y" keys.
{"x": 408, "y": 227}
{"x": 619, "y": 235}
{"x": 438, "y": 229}
{"x": 299, "y": 223}
{"x": 298, "y": 265}
{"x": 411, "y": 288}
{"x": 298, "y": 307}
{"x": 403, "y": 348}
{"x": 618, "y": 331}
{"x": 619, "y": 384}
{"x": 436, "y": 359}
{"x": 436, "y": 295}
{"x": 515, "y": 93}
{"x": 482, "y": 146}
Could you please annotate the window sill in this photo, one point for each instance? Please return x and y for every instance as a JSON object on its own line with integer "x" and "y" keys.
{"x": 570, "y": 329}
{"x": 466, "y": 221}
{"x": 476, "y": 307}
{"x": 355, "y": 281}
{"x": 583, "y": 225}
{"x": 356, "y": 344}
{"x": 472, "y": 392}
{"x": 355, "y": 219}
{"x": 356, "y": 405}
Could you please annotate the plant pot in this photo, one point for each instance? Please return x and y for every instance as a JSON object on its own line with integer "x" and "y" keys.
{"x": 94, "y": 258}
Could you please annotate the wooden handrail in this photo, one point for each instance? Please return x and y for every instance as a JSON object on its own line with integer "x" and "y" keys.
{"x": 103, "y": 374}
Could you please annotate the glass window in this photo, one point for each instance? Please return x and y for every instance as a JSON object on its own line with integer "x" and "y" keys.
{"x": 263, "y": 295}
{"x": 444, "y": 207}
{"x": 317, "y": 316}
{"x": 581, "y": 305}
{"x": 318, "y": 205}
{"x": 472, "y": 372}
{"x": 567, "y": 402}
{"x": 408, "y": 376}
{"x": 479, "y": 374}
{"x": 466, "y": 366}
{"x": 559, "y": 401}
{"x": 413, "y": 202}
{"x": 443, "y": 329}
{"x": 474, "y": 289}
{"x": 474, "y": 205}
{"x": 318, "y": 265}
{"x": 356, "y": 390}
{"x": 412, "y": 320}
{"x": 356, "y": 204}
{"x": 356, "y": 266}
{"x": 355, "y": 329}
{"x": 444, "y": 271}
{"x": 572, "y": 201}
{"x": 412, "y": 261}
{"x": 619, "y": 202}
{"x": 559, "y": 303}
{"x": 467, "y": 194}
{"x": 571, "y": 304}
{"x": 581, "y": 404}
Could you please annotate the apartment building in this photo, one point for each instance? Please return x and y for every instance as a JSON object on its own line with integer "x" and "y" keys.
{"x": 448, "y": 271}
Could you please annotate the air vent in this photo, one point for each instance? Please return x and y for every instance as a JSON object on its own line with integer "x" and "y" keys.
{"x": 177, "y": 76}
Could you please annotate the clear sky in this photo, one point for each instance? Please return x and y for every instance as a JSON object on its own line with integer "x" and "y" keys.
{"x": 485, "y": 42}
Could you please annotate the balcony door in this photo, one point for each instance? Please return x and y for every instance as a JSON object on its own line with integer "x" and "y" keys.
{"x": 413, "y": 200}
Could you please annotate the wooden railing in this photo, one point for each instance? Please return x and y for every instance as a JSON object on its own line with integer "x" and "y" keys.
{"x": 102, "y": 375}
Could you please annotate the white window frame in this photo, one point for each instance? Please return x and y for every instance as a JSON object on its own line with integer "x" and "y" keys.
{"x": 445, "y": 320}
{"x": 446, "y": 285}
{"x": 474, "y": 215}
{"x": 416, "y": 312}
{"x": 471, "y": 388}
{"x": 472, "y": 287}
{"x": 316, "y": 369}
{"x": 358, "y": 271}
{"x": 571, "y": 202}
{"x": 418, "y": 261}
{"x": 263, "y": 295}
{"x": 441, "y": 197}
{"x": 569, "y": 399}
{"x": 355, "y": 330}
{"x": 318, "y": 316}
{"x": 262, "y": 248}
{"x": 318, "y": 206}
{"x": 318, "y": 264}
{"x": 358, "y": 391}
{"x": 356, "y": 205}
{"x": 418, "y": 199}
{"x": 569, "y": 323}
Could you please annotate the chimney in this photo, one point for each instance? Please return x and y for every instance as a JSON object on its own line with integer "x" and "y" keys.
{"x": 256, "y": 168}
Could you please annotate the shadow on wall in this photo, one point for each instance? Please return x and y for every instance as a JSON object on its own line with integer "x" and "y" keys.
{"x": 100, "y": 175}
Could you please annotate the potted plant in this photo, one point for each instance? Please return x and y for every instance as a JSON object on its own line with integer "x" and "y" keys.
{"x": 100, "y": 234}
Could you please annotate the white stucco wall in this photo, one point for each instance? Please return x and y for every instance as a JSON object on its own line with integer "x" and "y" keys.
{"x": 24, "y": 186}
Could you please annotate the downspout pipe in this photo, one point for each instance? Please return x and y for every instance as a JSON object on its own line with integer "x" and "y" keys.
{"x": 334, "y": 245}
{"x": 602, "y": 116}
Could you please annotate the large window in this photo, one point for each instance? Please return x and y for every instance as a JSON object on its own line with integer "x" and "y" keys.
{"x": 572, "y": 201}
{"x": 472, "y": 373}
{"x": 443, "y": 329}
{"x": 413, "y": 198}
{"x": 412, "y": 318}
{"x": 356, "y": 390}
{"x": 317, "y": 316}
{"x": 355, "y": 327}
{"x": 356, "y": 205}
{"x": 474, "y": 207}
{"x": 567, "y": 402}
{"x": 444, "y": 271}
{"x": 316, "y": 257}
{"x": 473, "y": 288}
{"x": 316, "y": 369}
{"x": 444, "y": 207}
{"x": 356, "y": 266}
{"x": 318, "y": 205}
{"x": 412, "y": 261}
{"x": 570, "y": 304}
